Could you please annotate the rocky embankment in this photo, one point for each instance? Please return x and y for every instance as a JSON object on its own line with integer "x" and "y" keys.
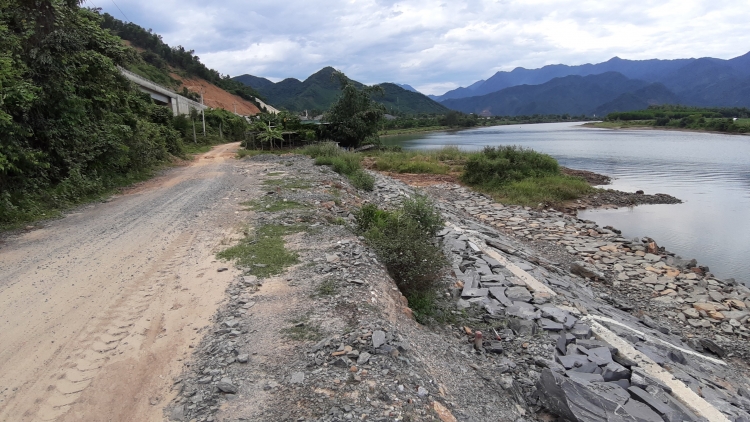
{"x": 541, "y": 315}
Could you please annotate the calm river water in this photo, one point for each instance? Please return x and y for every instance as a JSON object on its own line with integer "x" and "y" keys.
{"x": 709, "y": 172}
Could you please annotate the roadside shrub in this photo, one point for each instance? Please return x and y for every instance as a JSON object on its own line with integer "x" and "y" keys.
{"x": 423, "y": 211}
{"x": 346, "y": 164}
{"x": 362, "y": 180}
{"x": 370, "y": 216}
{"x": 404, "y": 242}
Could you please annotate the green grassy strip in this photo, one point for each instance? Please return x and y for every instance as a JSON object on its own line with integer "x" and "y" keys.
{"x": 342, "y": 162}
{"x": 445, "y": 160}
{"x": 547, "y": 190}
{"x": 271, "y": 205}
{"x": 263, "y": 253}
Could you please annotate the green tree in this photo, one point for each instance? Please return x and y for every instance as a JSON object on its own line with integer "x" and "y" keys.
{"x": 269, "y": 135}
{"x": 354, "y": 117}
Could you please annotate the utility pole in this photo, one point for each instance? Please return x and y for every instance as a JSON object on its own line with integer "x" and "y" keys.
{"x": 203, "y": 113}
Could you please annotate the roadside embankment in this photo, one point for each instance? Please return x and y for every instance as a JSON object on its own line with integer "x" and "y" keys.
{"x": 538, "y": 314}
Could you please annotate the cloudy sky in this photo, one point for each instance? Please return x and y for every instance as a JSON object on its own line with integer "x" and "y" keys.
{"x": 436, "y": 46}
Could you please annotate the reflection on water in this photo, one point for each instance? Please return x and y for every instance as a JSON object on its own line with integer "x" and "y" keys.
{"x": 709, "y": 172}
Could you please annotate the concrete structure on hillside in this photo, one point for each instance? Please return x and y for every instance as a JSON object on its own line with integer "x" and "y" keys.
{"x": 268, "y": 108}
{"x": 161, "y": 95}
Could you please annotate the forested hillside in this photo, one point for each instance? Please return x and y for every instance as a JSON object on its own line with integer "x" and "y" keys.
{"x": 161, "y": 56}
{"x": 71, "y": 126}
{"x": 319, "y": 91}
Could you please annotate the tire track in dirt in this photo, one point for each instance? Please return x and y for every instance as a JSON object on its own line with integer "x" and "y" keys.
{"x": 98, "y": 309}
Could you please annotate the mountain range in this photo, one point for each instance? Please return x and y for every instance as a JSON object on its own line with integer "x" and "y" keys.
{"x": 321, "y": 89}
{"x": 615, "y": 85}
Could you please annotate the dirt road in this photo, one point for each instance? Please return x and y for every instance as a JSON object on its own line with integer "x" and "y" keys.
{"x": 98, "y": 309}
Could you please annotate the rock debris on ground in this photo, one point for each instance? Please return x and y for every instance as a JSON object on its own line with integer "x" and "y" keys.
{"x": 517, "y": 336}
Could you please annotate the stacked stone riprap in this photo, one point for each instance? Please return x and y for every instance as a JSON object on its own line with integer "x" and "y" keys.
{"x": 588, "y": 380}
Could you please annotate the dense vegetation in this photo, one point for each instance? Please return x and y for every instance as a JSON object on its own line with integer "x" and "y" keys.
{"x": 719, "y": 119}
{"x": 161, "y": 56}
{"x": 71, "y": 126}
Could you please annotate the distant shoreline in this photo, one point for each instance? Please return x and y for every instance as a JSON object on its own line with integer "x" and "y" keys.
{"x": 431, "y": 129}
{"x": 597, "y": 125}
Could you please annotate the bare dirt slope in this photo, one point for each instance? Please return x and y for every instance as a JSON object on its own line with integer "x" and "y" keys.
{"x": 215, "y": 97}
{"x": 98, "y": 309}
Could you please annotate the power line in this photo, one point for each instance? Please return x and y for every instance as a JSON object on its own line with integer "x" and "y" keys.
{"x": 118, "y": 8}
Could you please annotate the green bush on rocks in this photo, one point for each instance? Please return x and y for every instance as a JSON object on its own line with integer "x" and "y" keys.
{"x": 501, "y": 165}
{"x": 404, "y": 240}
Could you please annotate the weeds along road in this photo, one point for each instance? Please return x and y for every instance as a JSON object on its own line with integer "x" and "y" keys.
{"x": 98, "y": 309}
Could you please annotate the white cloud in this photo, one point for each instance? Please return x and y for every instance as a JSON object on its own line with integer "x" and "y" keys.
{"x": 436, "y": 45}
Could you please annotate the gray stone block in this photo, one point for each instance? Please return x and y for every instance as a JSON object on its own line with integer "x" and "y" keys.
{"x": 583, "y": 401}
{"x": 522, "y": 327}
{"x": 518, "y": 293}
{"x": 613, "y": 371}
{"x": 600, "y": 355}
{"x": 499, "y": 294}
{"x": 573, "y": 361}
{"x": 522, "y": 310}
{"x": 657, "y": 406}
{"x": 584, "y": 376}
{"x": 554, "y": 313}
{"x": 581, "y": 331}
{"x": 549, "y": 325}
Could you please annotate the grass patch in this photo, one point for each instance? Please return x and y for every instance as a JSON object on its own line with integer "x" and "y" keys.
{"x": 327, "y": 288}
{"x": 322, "y": 149}
{"x": 302, "y": 330}
{"x": 287, "y": 183}
{"x": 522, "y": 176}
{"x": 262, "y": 253}
{"x": 192, "y": 148}
{"x": 544, "y": 190}
{"x": 362, "y": 180}
{"x": 342, "y": 162}
{"x": 242, "y": 153}
{"x": 445, "y": 160}
{"x": 271, "y": 205}
{"x": 404, "y": 131}
{"x": 618, "y": 124}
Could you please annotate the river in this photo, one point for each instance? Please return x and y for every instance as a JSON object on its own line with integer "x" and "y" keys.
{"x": 709, "y": 172}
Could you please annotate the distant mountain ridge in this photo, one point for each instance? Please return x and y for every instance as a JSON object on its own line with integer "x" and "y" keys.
{"x": 695, "y": 82}
{"x": 320, "y": 90}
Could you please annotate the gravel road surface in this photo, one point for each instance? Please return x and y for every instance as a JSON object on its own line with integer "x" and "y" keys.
{"x": 98, "y": 309}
